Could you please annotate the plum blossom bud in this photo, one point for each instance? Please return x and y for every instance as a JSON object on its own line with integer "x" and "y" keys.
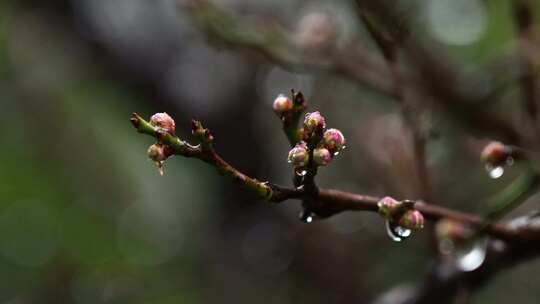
{"x": 299, "y": 155}
{"x": 317, "y": 31}
{"x": 158, "y": 152}
{"x": 282, "y": 104}
{"x": 322, "y": 157}
{"x": 314, "y": 122}
{"x": 164, "y": 122}
{"x": 333, "y": 140}
{"x": 450, "y": 229}
{"x": 388, "y": 206}
{"x": 495, "y": 153}
{"x": 412, "y": 219}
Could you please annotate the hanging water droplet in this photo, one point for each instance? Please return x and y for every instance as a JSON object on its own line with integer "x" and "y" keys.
{"x": 494, "y": 171}
{"x": 396, "y": 232}
{"x": 301, "y": 172}
{"x": 307, "y": 216}
{"x": 159, "y": 165}
{"x": 471, "y": 255}
{"x": 344, "y": 147}
{"x": 289, "y": 160}
{"x": 336, "y": 153}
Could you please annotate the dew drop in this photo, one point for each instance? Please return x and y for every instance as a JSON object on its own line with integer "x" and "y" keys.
{"x": 471, "y": 256}
{"x": 289, "y": 160}
{"x": 495, "y": 172}
{"x": 396, "y": 232}
{"x": 301, "y": 172}
{"x": 336, "y": 153}
{"x": 159, "y": 165}
{"x": 306, "y": 216}
{"x": 344, "y": 147}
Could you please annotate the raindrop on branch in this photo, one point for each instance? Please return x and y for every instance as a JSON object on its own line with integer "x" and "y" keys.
{"x": 307, "y": 216}
{"x": 494, "y": 171}
{"x": 471, "y": 256}
{"x": 301, "y": 172}
{"x": 467, "y": 256}
{"x": 396, "y": 232}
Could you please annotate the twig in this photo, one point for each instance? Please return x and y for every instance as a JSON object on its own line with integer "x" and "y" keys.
{"x": 388, "y": 45}
{"x": 524, "y": 24}
{"x": 326, "y": 202}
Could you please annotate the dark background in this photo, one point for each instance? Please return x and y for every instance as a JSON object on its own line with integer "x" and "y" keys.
{"x": 85, "y": 217}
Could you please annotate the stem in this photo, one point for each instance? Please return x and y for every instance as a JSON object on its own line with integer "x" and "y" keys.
{"x": 323, "y": 203}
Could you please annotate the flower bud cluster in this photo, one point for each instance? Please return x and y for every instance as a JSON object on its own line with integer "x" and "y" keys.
{"x": 402, "y": 214}
{"x": 325, "y": 144}
{"x": 159, "y": 152}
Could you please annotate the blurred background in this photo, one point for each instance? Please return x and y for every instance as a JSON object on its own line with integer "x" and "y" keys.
{"x": 86, "y": 218}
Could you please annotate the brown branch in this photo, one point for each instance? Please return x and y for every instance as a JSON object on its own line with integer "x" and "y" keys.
{"x": 440, "y": 77}
{"x": 325, "y": 203}
{"x": 278, "y": 45}
{"x": 388, "y": 45}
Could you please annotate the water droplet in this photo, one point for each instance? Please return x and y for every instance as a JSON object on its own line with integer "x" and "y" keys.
{"x": 301, "y": 172}
{"x": 471, "y": 256}
{"x": 336, "y": 153}
{"x": 159, "y": 165}
{"x": 289, "y": 160}
{"x": 396, "y": 232}
{"x": 307, "y": 216}
{"x": 344, "y": 147}
{"x": 467, "y": 256}
{"x": 494, "y": 172}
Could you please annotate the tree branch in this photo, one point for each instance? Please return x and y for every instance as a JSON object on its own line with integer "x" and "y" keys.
{"x": 325, "y": 203}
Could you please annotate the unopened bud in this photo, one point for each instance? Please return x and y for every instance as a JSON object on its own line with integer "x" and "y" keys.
{"x": 450, "y": 229}
{"x": 314, "y": 122}
{"x": 299, "y": 155}
{"x": 282, "y": 104}
{"x": 164, "y": 122}
{"x": 495, "y": 153}
{"x": 322, "y": 157}
{"x": 388, "y": 206}
{"x": 317, "y": 31}
{"x": 158, "y": 152}
{"x": 412, "y": 219}
{"x": 333, "y": 140}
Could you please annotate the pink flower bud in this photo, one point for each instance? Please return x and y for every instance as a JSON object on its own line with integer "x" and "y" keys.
{"x": 450, "y": 229}
{"x": 282, "y": 104}
{"x": 299, "y": 155}
{"x": 164, "y": 122}
{"x": 322, "y": 157}
{"x": 333, "y": 140}
{"x": 388, "y": 206}
{"x": 317, "y": 31}
{"x": 495, "y": 153}
{"x": 314, "y": 122}
{"x": 158, "y": 152}
{"x": 412, "y": 219}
